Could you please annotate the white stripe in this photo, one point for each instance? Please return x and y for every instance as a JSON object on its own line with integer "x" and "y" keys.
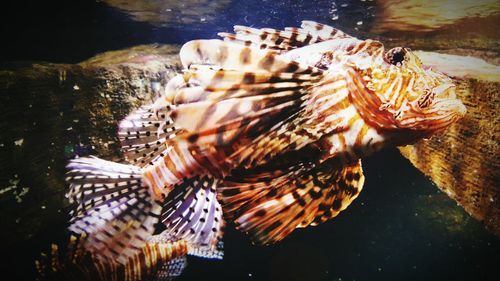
{"x": 166, "y": 173}
{"x": 337, "y": 145}
{"x": 371, "y": 139}
{"x": 334, "y": 99}
{"x": 191, "y": 162}
{"x": 353, "y": 132}
{"x": 345, "y": 115}
{"x": 397, "y": 91}
{"x": 158, "y": 182}
{"x": 177, "y": 161}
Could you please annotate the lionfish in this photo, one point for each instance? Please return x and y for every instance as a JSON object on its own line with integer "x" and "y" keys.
{"x": 265, "y": 126}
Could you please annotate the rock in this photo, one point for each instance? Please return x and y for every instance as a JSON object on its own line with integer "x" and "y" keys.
{"x": 454, "y": 27}
{"x": 464, "y": 39}
{"x": 414, "y": 16}
{"x": 461, "y": 67}
{"x": 464, "y": 160}
{"x": 170, "y": 12}
{"x": 52, "y": 112}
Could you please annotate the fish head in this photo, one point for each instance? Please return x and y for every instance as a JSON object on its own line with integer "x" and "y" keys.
{"x": 397, "y": 93}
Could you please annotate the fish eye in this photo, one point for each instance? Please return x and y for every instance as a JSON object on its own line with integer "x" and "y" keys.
{"x": 396, "y": 56}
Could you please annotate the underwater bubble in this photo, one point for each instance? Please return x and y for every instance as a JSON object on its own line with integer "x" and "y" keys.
{"x": 19, "y": 142}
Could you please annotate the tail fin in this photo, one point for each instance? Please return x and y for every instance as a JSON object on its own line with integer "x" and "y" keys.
{"x": 113, "y": 207}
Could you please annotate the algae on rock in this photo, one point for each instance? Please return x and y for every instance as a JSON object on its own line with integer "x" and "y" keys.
{"x": 52, "y": 112}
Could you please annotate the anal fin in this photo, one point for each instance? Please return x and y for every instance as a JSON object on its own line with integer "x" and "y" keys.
{"x": 192, "y": 213}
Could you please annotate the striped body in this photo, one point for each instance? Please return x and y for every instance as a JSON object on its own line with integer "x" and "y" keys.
{"x": 327, "y": 117}
{"x": 328, "y": 120}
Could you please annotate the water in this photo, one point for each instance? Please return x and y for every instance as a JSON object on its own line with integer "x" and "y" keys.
{"x": 400, "y": 228}
{"x": 71, "y": 32}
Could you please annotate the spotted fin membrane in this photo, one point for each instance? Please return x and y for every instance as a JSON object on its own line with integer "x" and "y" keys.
{"x": 143, "y": 135}
{"x": 283, "y": 40}
{"x": 192, "y": 213}
{"x": 111, "y": 206}
{"x": 158, "y": 259}
{"x": 270, "y": 209}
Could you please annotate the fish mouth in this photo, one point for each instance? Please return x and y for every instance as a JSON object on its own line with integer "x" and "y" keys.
{"x": 444, "y": 110}
{"x": 446, "y": 90}
{"x": 446, "y": 100}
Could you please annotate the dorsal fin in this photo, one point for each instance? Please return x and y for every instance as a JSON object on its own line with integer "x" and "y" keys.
{"x": 232, "y": 56}
{"x": 270, "y": 209}
{"x": 322, "y": 32}
{"x": 280, "y": 41}
{"x": 271, "y": 39}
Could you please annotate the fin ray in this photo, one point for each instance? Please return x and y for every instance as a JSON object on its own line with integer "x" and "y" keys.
{"x": 143, "y": 134}
{"x": 119, "y": 225}
{"x": 282, "y": 41}
{"x": 192, "y": 213}
{"x": 271, "y": 209}
{"x": 156, "y": 259}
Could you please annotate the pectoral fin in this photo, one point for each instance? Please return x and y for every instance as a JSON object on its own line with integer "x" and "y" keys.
{"x": 269, "y": 210}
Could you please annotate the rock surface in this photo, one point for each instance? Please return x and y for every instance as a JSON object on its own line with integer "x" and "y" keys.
{"x": 52, "y": 112}
{"x": 464, "y": 161}
{"x": 170, "y": 12}
{"x": 415, "y": 16}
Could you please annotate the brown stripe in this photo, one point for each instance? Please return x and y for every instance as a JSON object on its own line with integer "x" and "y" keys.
{"x": 198, "y": 49}
{"x": 222, "y": 53}
{"x": 267, "y": 62}
{"x": 308, "y": 39}
{"x": 245, "y": 55}
{"x": 181, "y": 158}
{"x": 171, "y": 166}
{"x": 249, "y": 78}
{"x": 293, "y": 38}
